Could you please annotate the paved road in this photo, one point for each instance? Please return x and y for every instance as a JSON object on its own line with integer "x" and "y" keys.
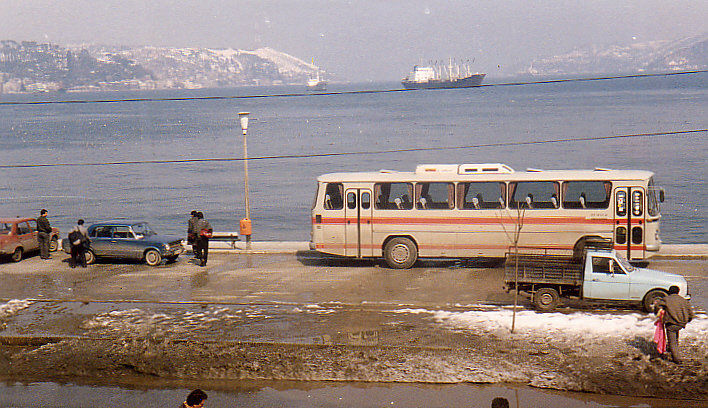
{"x": 298, "y": 297}
{"x": 301, "y": 298}
{"x": 306, "y": 317}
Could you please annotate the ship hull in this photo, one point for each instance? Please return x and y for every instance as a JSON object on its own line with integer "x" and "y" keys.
{"x": 467, "y": 82}
{"x": 318, "y": 86}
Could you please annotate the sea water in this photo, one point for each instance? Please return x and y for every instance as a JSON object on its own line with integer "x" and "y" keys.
{"x": 154, "y": 155}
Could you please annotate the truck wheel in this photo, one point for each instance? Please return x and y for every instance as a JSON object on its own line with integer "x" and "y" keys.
{"x": 546, "y": 299}
{"x": 17, "y": 255}
{"x": 53, "y": 244}
{"x": 650, "y": 298}
{"x": 152, "y": 257}
{"x": 400, "y": 253}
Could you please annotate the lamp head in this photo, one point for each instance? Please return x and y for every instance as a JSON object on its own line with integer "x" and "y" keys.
{"x": 243, "y": 116}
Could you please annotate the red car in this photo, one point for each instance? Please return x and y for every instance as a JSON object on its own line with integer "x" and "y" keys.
{"x": 18, "y": 236}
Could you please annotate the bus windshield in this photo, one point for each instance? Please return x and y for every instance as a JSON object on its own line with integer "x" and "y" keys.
{"x": 652, "y": 199}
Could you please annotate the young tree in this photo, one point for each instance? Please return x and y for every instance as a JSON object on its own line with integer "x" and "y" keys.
{"x": 513, "y": 237}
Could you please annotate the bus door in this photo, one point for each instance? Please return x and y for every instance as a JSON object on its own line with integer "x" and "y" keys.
{"x": 629, "y": 222}
{"x": 358, "y": 228}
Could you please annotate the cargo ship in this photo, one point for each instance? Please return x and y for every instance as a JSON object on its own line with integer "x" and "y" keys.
{"x": 431, "y": 78}
{"x": 316, "y": 83}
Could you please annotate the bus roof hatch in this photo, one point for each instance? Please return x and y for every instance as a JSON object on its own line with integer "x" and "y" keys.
{"x": 484, "y": 168}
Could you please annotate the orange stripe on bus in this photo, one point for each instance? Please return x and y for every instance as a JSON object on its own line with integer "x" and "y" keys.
{"x": 468, "y": 221}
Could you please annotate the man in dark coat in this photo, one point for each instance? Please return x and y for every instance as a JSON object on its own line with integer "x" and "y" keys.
{"x": 192, "y": 234}
{"x": 677, "y": 313}
{"x": 204, "y": 231}
{"x": 44, "y": 231}
{"x": 79, "y": 241}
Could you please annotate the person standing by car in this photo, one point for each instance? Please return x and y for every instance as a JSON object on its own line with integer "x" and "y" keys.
{"x": 204, "y": 232}
{"x": 44, "y": 231}
{"x": 79, "y": 241}
{"x": 192, "y": 233}
{"x": 677, "y": 313}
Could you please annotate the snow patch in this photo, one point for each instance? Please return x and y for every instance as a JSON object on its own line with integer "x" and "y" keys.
{"x": 11, "y": 308}
{"x": 536, "y": 324}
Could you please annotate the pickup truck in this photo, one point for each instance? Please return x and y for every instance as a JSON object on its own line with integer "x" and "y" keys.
{"x": 596, "y": 275}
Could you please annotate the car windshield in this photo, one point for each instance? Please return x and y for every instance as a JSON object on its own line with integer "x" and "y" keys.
{"x": 143, "y": 230}
{"x": 625, "y": 263}
{"x": 5, "y": 228}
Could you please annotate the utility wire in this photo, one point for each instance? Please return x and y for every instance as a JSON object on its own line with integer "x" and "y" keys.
{"x": 361, "y": 153}
{"x": 359, "y": 92}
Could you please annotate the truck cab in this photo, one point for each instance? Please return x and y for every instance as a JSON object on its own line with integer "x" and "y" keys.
{"x": 609, "y": 276}
{"x": 594, "y": 275}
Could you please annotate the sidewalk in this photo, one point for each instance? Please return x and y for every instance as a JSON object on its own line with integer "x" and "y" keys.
{"x": 258, "y": 247}
{"x": 688, "y": 251}
{"x": 696, "y": 251}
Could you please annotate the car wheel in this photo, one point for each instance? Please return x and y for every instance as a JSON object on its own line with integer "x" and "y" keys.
{"x": 546, "y": 299}
{"x": 53, "y": 244}
{"x": 17, "y": 255}
{"x": 152, "y": 257}
{"x": 400, "y": 253}
{"x": 89, "y": 256}
{"x": 650, "y": 298}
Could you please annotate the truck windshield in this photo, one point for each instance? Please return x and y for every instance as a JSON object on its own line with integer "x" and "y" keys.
{"x": 625, "y": 263}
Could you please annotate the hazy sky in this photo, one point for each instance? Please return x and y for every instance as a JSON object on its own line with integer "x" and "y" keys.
{"x": 360, "y": 39}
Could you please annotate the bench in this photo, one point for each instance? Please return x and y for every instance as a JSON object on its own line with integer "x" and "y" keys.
{"x": 230, "y": 237}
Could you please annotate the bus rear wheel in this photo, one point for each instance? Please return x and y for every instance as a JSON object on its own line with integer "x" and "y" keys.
{"x": 400, "y": 253}
{"x": 546, "y": 299}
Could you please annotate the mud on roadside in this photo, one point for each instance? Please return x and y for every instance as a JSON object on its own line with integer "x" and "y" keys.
{"x": 628, "y": 368}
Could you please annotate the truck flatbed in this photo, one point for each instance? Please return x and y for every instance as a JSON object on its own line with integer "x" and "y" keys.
{"x": 541, "y": 268}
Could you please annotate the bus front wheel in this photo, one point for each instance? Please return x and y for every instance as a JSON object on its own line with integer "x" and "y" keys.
{"x": 400, "y": 253}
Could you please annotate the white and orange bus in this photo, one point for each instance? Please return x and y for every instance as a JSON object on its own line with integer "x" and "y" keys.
{"x": 474, "y": 210}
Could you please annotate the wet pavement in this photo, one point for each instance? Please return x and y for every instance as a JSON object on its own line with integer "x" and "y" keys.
{"x": 262, "y": 301}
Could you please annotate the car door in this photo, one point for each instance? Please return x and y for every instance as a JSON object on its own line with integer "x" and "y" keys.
{"x": 124, "y": 244}
{"x": 28, "y": 238}
{"x": 608, "y": 280}
{"x": 32, "y": 236}
{"x": 101, "y": 237}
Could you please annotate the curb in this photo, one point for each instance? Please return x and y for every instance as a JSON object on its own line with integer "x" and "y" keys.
{"x": 672, "y": 251}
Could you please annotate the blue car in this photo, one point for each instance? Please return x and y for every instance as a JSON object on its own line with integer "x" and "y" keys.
{"x": 131, "y": 240}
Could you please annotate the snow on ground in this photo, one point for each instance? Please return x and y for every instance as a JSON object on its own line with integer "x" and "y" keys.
{"x": 558, "y": 325}
{"x": 11, "y": 308}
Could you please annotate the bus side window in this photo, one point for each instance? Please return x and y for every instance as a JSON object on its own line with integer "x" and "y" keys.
{"x": 534, "y": 194}
{"x": 334, "y": 196}
{"x": 393, "y": 196}
{"x": 435, "y": 196}
{"x": 481, "y": 195}
{"x": 586, "y": 194}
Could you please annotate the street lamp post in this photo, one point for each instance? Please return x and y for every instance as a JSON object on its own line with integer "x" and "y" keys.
{"x": 246, "y": 223}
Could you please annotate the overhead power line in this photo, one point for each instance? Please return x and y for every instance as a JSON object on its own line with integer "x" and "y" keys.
{"x": 353, "y": 92}
{"x": 353, "y": 153}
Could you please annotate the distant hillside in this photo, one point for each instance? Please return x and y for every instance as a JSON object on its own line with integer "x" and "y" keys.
{"x": 33, "y": 67}
{"x": 687, "y": 54}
